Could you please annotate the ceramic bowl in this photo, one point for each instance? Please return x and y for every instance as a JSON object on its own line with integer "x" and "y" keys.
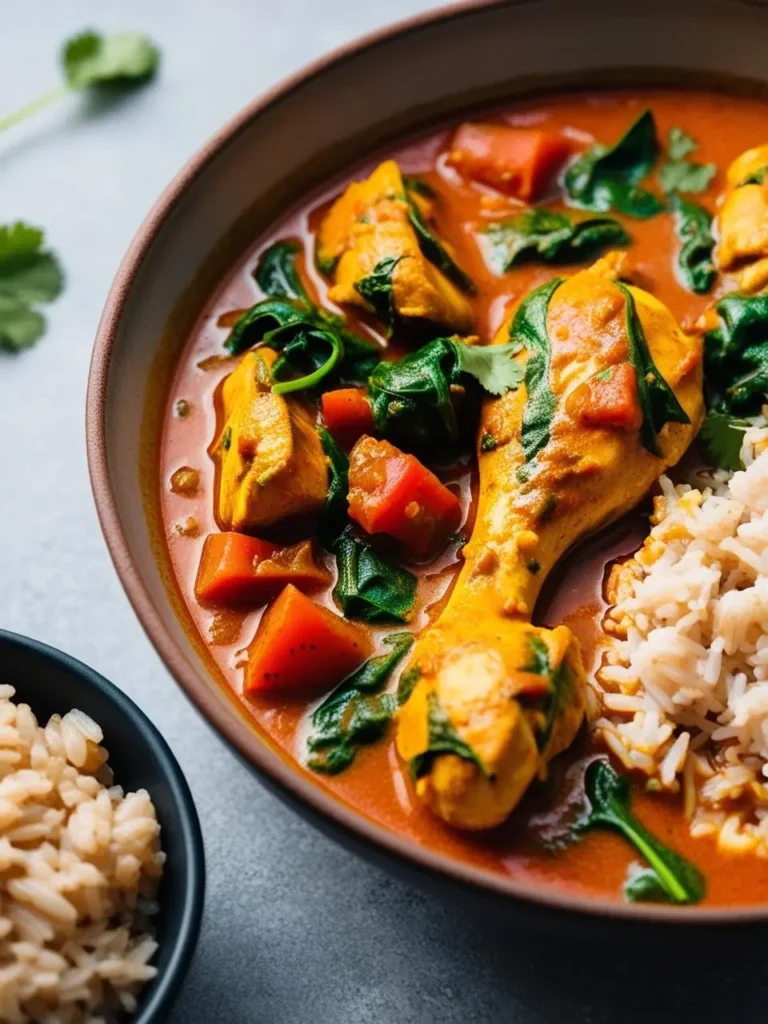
{"x": 52, "y": 682}
{"x": 279, "y": 148}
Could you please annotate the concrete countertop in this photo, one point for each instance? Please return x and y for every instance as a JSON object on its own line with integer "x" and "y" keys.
{"x": 296, "y": 930}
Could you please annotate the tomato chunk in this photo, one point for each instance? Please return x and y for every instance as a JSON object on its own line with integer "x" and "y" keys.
{"x": 347, "y": 414}
{"x": 393, "y": 493}
{"x": 301, "y": 646}
{"x": 237, "y": 569}
{"x": 517, "y": 161}
{"x": 609, "y": 399}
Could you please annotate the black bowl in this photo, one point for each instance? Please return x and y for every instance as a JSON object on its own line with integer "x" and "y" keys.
{"x": 52, "y": 682}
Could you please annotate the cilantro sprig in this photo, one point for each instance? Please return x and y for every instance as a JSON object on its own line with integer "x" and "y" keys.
{"x": 91, "y": 61}
{"x": 30, "y": 276}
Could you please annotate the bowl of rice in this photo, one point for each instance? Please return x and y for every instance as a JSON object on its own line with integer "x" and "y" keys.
{"x": 102, "y": 873}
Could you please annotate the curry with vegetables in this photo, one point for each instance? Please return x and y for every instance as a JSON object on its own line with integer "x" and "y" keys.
{"x": 432, "y": 445}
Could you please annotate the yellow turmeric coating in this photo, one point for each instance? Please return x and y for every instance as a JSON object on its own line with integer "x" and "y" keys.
{"x": 369, "y": 223}
{"x": 742, "y": 250}
{"x": 270, "y": 461}
{"x": 583, "y": 478}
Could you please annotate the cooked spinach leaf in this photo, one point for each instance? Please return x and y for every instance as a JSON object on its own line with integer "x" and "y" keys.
{"x": 529, "y": 330}
{"x": 658, "y": 402}
{"x": 414, "y": 401}
{"x": 609, "y": 807}
{"x": 693, "y": 226}
{"x": 334, "y": 518}
{"x": 549, "y": 237}
{"x": 413, "y": 183}
{"x": 369, "y": 587}
{"x": 558, "y": 681}
{"x": 607, "y": 177}
{"x": 408, "y": 681}
{"x": 736, "y": 355}
{"x": 356, "y": 713}
{"x": 721, "y": 438}
{"x": 276, "y": 272}
{"x": 376, "y": 289}
{"x": 442, "y": 739}
{"x": 435, "y": 251}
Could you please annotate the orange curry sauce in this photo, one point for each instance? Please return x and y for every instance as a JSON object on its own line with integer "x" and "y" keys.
{"x": 376, "y": 785}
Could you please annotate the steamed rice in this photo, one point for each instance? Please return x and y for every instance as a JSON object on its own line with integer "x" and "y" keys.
{"x": 79, "y": 867}
{"x": 682, "y": 694}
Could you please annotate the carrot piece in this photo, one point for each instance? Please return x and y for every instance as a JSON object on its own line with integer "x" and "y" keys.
{"x": 347, "y": 414}
{"x": 237, "y": 569}
{"x": 393, "y": 493}
{"x": 608, "y": 399}
{"x": 302, "y": 646}
{"x": 516, "y": 161}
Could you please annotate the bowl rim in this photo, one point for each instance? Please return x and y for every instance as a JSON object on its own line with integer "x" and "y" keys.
{"x": 165, "y": 987}
{"x": 279, "y": 772}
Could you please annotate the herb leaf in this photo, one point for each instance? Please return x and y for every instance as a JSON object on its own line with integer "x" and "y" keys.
{"x": 658, "y": 401}
{"x": 413, "y": 183}
{"x": 29, "y": 275}
{"x": 558, "y": 679}
{"x": 736, "y": 355}
{"x": 679, "y": 174}
{"x": 721, "y": 437}
{"x": 376, "y": 289}
{"x": 608, "y": 796}
{"x": 529, "y": 330}
{"x": 369, "y": 587}
{"x": 549, "y": 237}
{"x": 356, "y": 713}
{"x": 443, "y": 739}
{"x": 605, "y": 178}
{"x": 91, "y": 59}
{"x": 334, "y": 518}
{"x": 276, "y": 273}
{"x": 680, "y": 144}
{"x": 493, "y": 366}
{"x": 693, "y": 226}
{"x": 435, "y": 251}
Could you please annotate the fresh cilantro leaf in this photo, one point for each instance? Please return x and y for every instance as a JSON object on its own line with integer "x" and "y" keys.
{"x": 493, "y": 366}
{"x": 683, "y": 176}
{"x": 125, "y": 57}
{"x": 680, "y": 144}
{"x": 29, "y": 275}
{"x": 721, "y": 437}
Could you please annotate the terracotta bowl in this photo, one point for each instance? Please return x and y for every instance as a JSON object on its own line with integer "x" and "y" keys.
{"x": 279, "y": 148}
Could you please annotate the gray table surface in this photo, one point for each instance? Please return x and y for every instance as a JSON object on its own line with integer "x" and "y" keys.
{"x": 296, "y": 930}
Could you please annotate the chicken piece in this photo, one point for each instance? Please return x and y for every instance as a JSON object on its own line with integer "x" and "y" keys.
{"x": 370, "y": 223}
{"x": 271, "y": 464}
{"x": 512, "y": 693}
{"x": 742, "y": 250}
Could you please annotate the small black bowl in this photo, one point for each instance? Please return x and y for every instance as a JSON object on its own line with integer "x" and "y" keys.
{"x": 53, "y": 683}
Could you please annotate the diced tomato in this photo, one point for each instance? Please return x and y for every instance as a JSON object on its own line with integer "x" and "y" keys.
{"x": 517, "y": 161}
{"x": 236, "y": 569}
{"x": 393, "y": 493}
{"x": 302, "y": 646}
{"x": 608, "y": 399}
{"x": 347, "y": 414}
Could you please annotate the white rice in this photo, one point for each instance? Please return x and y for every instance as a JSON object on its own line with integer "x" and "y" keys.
{"x": 682, "y": 693}
{"x": 79, "y": 867}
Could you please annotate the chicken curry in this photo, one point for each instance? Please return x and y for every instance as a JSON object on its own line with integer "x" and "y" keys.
{"x": 412, "y": 446}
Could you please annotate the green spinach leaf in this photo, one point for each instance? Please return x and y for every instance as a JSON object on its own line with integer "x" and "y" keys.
{"x": 558, "y": 680}
{"x": 276, "y": 272}
{"x": 658, "y": 402}
{"x": 376, "y": 289}
{"x": 435, "y": 251}
{"x": 549, "y": 237}
{"x": 334, "y": 519}
{"x": 413, "y": 183}
{"x": 443, "y": 739}
{"x": 608, "y": 796}
{"x": 736, "y": 355}
{"x": 529, "y": 330}
{"x": 30, "y": 275}
{"x": 408, "y": 681}
{"x": 369, "y": 587}
{"x": 693, "y": 226}
{"x": 356, "y": 713}
{"x": 606, "y": 178}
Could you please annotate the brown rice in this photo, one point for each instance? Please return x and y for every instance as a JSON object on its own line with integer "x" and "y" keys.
{"x": 79, "y": 867}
